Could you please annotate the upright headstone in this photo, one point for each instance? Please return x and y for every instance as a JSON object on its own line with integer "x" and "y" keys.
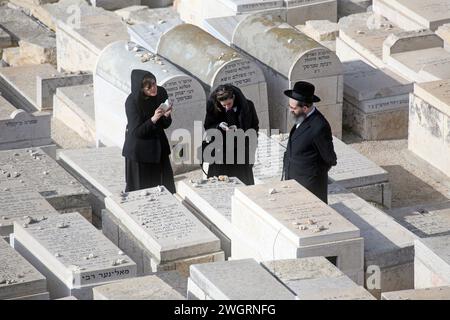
{"x": 112, "y": 85}
{"x": 161, "y": 286}
{"x": 429, "y": 116}
{"x": 283, "y": 220}
{"x": 214, "y": 63}
{"x": 167, "y": 230}
{"x": 19, "y": 280}
{"x": 72, "y": 254}
{"x": 388, "y": 246}
{"x": 414, "y": 14}
{"x": 434, "y": 293}
{"x": 432, "y": 262}
{"x": 235, "y": 280}
{"x": 33, "y": 170}
{"x": 316, "y": 278}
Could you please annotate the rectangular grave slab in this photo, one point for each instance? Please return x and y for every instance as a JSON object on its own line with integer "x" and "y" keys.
{"x": 33, "y": 170}
{"x": 210, "y": 200}
{"x": 21, "y": 129}
{"x": 444, "y": 33}
{"x": 414, "y": 14}
{"x": 18, "y": 278}
{"x": 300, "y": 11}
{"x": 143, "y": 14}
{"x": 114, "y": 4}
{"x": 316, "y": 278}
{"x": 236, "y": 280}
{"x": 161, "y": 286}
{"x": 388, "y": 245}
{"x": 429, "y": 133}
{"x": 435, "y": 293}
{"x": 167, "y": 229}
{"x": 432, "y": 262}
{"x": 282, "y": 220}
{"x": 72, "y": 254}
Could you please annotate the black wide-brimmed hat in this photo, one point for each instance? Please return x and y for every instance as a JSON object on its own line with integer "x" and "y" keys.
{"x": 303, "y": 92}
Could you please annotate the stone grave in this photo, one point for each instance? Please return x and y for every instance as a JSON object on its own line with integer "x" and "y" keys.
{"x": 418, "y": 56}
{"x": 33, "y": 170}
{"x": 161, "y": 286}
{"x": 21, "y": 129}
{"x": 36, "y": 90}
{"x": 434, "y": 293}
{"x": 100, "y": 170}
{"x": 163, "y": 234}
{"x": 444, "y": 33}
{"x": 388, "y": 246}
{"x": 34, "y": 44}
{"x": 72, "y": 254}
{"x": 322, "y": 31}
{"x": 429, "y": 118}
{"x": 81, "y": 42}
{"x": 414, "y": 14}
{"x": 114, "y": 4}
{"x": 283, "y": 220}
{"x": 112, "y": 85}
{"x": 300, "y": 11}
{"x": 215, "y": 62}
{"x": 74, "y": 106}
{"x": 376, "y": 102}
{"x": 316, "y": 278}
{"x": 143, "y": 14}
{"x": 235, "y": 280}
{"x": 210, "y": 201}
{"x": 21, "y": 207}
{"x": 303, "y": 59}
{"x": 361, "y": 37}
{"x": 348, "y": 7}
{"x": 432, "y": 262}
{"x": 19, "y": 280}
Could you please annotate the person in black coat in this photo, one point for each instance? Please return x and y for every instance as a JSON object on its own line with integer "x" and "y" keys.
{"x": 146, "y": 148}
{"x": 310, "y": 151}
{"x": 228, "y": 109}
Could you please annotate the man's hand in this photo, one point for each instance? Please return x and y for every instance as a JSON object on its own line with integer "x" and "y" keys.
{"x": 158, "y": 114}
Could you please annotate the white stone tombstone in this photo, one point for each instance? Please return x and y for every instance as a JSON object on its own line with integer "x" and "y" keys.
{"x": 19, "y": 280}
{"x": 72, "y": 254}
{"x": 286, "y": 56}
{"x": 418, "y": 56}
{"x": 316, "y": 278}
{"x": 414, "y": 14}
{"x": 388, "y": 246}
{"x": 300, "y": 11}
{"x": 210, "y": 201}
{"x": 376, "y": 102}
{"x": 323, "y": 31}
{"x": 161, "y": 286}
{"x": 444, "y": 33}
{"x": 283, "y": 220}
{"x": 214, "y": 63}
{"x": 429, "y": 118}
{"x": 20, "y": 129}
{"x": 432, "y": 262}
{"x": 235, "y": 280}
{"x": 434, "y": 293}
{"x": 112, "y": 85}
{"x": 143, "y": 14}
{"x": 23, "y": 170}
{"x": 166, "y": 229}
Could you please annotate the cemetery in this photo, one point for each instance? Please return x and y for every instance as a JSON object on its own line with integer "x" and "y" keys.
{"x": 88, "y": 154}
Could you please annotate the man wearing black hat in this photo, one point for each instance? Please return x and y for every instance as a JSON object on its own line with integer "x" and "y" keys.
{"x": 310, "y": 152}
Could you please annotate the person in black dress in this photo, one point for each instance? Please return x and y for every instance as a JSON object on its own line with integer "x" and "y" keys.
{"x": 228, "y": 109}
{"x": 146, "y": 148}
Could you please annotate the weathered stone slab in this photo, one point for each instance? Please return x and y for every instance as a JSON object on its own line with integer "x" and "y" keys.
{"x": 72, "y": 254}
{"x": 74, "y": 106}
{"x": 162, "y": 286}
{"x": 429, "y": 118}
{"x": 142, "y": 14}
{"x": 33, "y": 170}
{"x": 316, "y": 278}
{"x": 387, "y": 245}
{"x": 283, "y": 220}
{"x": 114, "y": 4}
{"x": 18, "y": 278}
{"x": 444, "y": 33}
{"x": 435, "y": 293}
{"x": 162, "y": 224}
{"x": 236, "y": 280}
{"x": 300, "y": 11}
{"x": 20, "y": 129}
{"x": 348, "y": 7}
{"x": 414, "y": 14}
{"x": 432, "y": 262}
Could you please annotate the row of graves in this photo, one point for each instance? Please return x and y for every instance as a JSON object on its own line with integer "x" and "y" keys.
{"x": 74, "y": 234}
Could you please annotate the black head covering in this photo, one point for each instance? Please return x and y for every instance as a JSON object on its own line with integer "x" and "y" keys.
{"x": 145, "y": 103}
